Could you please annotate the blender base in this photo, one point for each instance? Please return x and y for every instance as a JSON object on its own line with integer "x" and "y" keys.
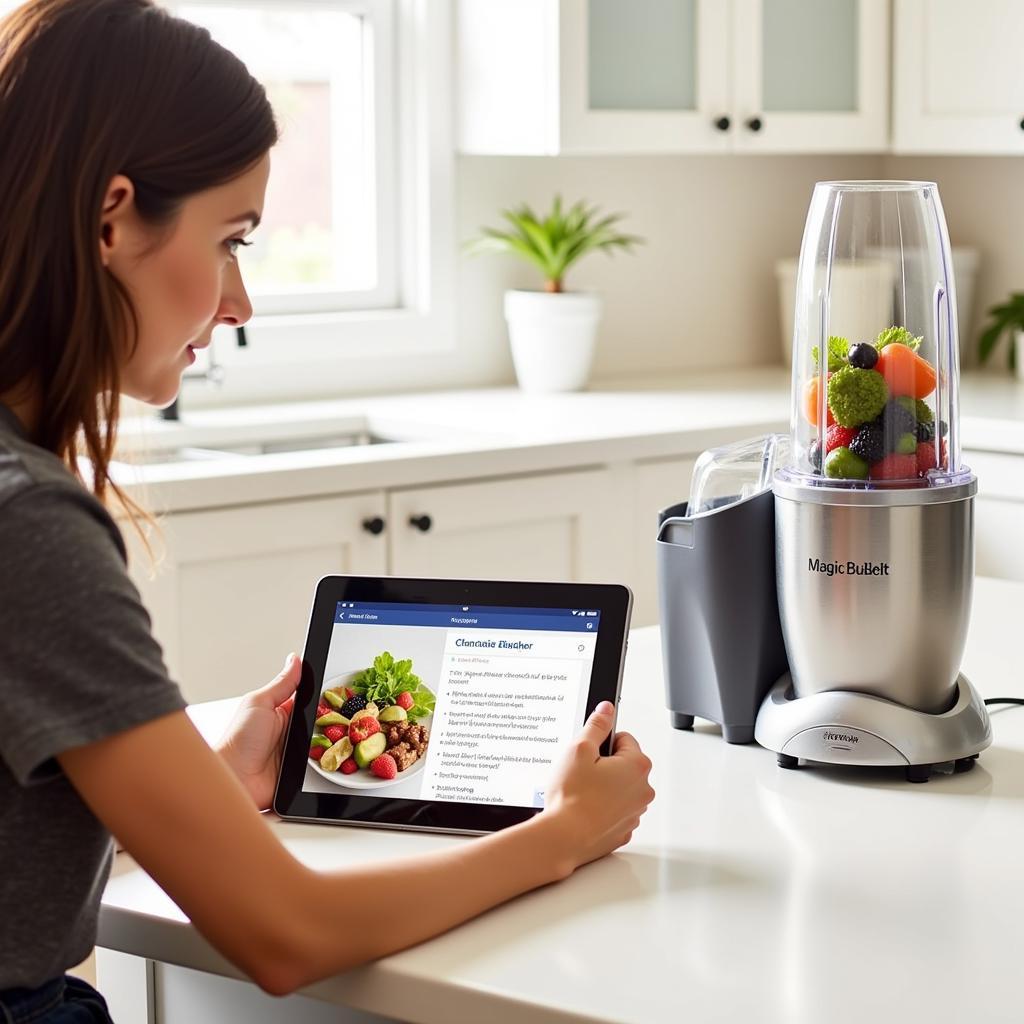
{"x": 844, "y": 727}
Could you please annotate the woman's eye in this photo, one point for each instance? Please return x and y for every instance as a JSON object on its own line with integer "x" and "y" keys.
{"x": 233, "y": 244}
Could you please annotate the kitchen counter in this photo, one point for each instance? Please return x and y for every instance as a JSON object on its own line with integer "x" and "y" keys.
{"x": 471, "y": 434}
{"x": 748, "y": 893}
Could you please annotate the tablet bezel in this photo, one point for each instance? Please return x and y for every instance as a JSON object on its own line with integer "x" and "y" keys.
{"x": 614, "y": 602}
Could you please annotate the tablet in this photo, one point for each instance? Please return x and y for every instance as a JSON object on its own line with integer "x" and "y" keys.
{"x": 445, "y": 704}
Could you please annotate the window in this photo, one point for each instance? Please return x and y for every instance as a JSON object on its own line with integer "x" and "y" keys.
{"x": 354, "y": 261}
{"x": 328, "y": 238}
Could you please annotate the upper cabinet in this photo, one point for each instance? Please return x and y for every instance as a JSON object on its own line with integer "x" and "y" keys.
{"x": 958, "y": 84}
{"x": 672, "y": 76}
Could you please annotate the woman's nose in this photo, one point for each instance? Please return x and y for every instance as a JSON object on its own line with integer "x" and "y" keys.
{"x": 235, "y": 308}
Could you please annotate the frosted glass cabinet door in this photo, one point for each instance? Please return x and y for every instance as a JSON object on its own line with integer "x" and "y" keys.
{"x": 811, "y": 77}
{"x": 644, "y": 76}
{"x": 959, "y": 76}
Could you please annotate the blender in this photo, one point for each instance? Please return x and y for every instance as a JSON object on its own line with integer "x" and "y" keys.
{"x": 874, "y": 512}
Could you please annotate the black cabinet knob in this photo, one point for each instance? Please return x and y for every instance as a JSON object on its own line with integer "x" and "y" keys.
{"x": 755, "y": 124}
{"x": 1022, "y": 124}
{"x": 375, "y": 525}
{"x": 723, "y": 123}
{"x": 422, "y": 523}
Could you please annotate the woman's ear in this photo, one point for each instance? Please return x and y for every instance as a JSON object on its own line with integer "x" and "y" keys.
{"x": 118, "y": 207}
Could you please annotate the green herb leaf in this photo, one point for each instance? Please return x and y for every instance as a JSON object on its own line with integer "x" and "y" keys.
{"x": 897, "y": 336}
{"x": 838, "y": 349}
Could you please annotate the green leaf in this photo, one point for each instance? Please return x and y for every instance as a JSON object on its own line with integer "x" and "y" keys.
{"x": 897, "y": 336}
{"x": 1004, "y": 318}
{"x": 838, "y": 348}
{"x": 555, "y": 242}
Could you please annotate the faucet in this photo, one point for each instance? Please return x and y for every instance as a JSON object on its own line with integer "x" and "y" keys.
{"x": 214, "y": 373}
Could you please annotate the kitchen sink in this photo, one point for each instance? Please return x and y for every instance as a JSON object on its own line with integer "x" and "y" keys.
{"x": 222, "y": 445}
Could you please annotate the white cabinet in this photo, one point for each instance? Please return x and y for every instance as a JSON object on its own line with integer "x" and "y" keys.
{"x": 958, "y": 79}
{"x": 556, "y": 526}
{"x": 232, "y": 596}
{"x": 999, "y": 514}
{"x": 672, "y": 76}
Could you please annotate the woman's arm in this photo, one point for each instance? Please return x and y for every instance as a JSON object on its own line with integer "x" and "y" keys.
{"x": 184, "y": 816}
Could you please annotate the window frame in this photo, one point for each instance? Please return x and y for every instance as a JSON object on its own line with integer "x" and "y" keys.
{"x": 322, "y": 351}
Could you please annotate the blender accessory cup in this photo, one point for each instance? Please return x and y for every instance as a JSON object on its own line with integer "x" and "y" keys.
{"x": 721, "y": 641}
{"x": 874, "y": 515}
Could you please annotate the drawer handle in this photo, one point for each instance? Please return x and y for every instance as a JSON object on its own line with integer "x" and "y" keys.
{"x": 422, "y": 523}
{"x": 754, "y": 124}
{"x": 723, "y": 123}
{"x": 375, "y": 525}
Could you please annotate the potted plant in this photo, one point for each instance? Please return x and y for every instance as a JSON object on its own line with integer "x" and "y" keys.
{"x": 1008, "y": 316}
{"x": 553, "y": 332}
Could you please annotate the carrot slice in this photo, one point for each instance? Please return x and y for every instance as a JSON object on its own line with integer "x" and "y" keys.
{"x": 905, "y": 372}
{"x": 812, "y": 400}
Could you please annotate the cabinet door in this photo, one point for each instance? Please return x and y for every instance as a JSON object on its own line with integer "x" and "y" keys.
{"x": 958, "y": 76}
{"x": 999, "y": 514}
{"x": 656, "y": 485}
{"x": 644, "y": 76}
{"x": 550, "y": 527}
{"x": 811, "y": 77}
{"x": 232, "y": 596}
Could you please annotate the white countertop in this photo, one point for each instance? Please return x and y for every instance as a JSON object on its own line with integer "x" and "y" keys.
{"x": 468, "y": 434}
{"x": 748, "y": 893}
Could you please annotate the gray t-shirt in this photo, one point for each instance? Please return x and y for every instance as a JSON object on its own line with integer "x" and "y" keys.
{"x": 77, "y": 663}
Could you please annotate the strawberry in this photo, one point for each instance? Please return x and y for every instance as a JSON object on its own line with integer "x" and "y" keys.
{"x": 348, "y": 766}
{"x": 363, "y": 728}
{"x": 316, "y": 752}
{"x": 323, "y": 709}
{"x": 384, "y": 767}
{"x": 349, "y": 692}
{"x": 839, "y": 437}
{"x": 926, "y": 458}
{"x": 894, "y": 467}
{"x": 404, "y": 700}
{"x": 335, "y": 732}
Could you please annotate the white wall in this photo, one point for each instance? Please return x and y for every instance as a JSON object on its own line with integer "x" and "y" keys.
{"x": 984, "y": 202}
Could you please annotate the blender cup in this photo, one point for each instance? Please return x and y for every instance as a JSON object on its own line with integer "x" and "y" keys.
{"x": 875, "y": 513}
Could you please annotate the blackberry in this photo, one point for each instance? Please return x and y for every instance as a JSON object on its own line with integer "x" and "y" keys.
{"x": 869, "y": 444}
{"x": 352, "y": 705}
{"x": 925, "y": 432}
{"x": 897, "y": 420}
{"x": 863, "y": 356}
{"x": 943, "y": 428}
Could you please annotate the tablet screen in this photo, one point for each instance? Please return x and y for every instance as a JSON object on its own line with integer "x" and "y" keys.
{"x": 440, "y": 702}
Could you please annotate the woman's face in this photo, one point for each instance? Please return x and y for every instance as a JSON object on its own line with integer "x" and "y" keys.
{"x": 183, "y": 279}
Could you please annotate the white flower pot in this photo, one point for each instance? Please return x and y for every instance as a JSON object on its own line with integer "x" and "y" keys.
{"x": 553, "y": 337}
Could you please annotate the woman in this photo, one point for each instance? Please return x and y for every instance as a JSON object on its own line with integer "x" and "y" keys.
{"x": 133, "y": 161}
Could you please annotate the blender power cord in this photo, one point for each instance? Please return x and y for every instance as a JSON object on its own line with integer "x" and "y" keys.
{"x": 1005, "y": 700}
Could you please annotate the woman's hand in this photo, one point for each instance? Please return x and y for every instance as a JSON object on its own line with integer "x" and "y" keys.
{"x": 252, "y": 743}
{"x": 595, "y": 802}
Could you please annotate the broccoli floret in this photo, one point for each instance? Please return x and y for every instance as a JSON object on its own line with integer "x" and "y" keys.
{"x": 856, "y": 396}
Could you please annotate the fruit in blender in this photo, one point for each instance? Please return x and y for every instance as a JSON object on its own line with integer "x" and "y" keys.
{"x": 894, "y": 467}
{"x": 863, "y": 355}
{"x": 842, "y": 464}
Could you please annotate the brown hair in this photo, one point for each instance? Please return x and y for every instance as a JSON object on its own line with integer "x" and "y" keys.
{"x": 90, "y": 89}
